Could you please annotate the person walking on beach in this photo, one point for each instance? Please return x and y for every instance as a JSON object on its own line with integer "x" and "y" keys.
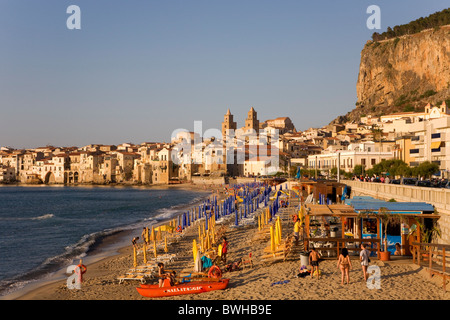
{"x": 224, "y": 250}
{"x": 344, "y": 264}
{"x": 134, "y": 242}
{"x": 314, "y": 257}
{"x": 364, "y": 258}
{"x": 144, "y": 235}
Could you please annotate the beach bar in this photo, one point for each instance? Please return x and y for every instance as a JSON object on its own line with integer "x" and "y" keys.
{"x": 329, "y": 228}
{"x": 400, "y": 235}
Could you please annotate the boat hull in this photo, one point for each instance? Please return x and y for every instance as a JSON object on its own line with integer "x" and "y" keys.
{"x": 194, "y": 287}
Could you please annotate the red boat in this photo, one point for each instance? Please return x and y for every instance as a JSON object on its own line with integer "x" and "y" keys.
{"x": 197, "y": 286}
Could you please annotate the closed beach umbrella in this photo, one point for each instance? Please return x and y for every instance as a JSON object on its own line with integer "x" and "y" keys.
{"x": 134, "y": 257}
{"x": 153, "y": 236}
{"x": 144, "y": 250}
{"x": 165, "y": 244}
{"x": 272, "y": 240}
{"x": 194, "y": 249}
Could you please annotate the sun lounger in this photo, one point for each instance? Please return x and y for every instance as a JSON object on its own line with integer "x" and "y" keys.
{"x": 138, "y": 277}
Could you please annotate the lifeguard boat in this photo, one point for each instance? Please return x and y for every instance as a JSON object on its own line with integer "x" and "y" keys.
{"x": 197, "y": 286}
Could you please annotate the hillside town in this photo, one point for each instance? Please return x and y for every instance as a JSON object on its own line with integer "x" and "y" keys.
{"x": 413, "y": 137}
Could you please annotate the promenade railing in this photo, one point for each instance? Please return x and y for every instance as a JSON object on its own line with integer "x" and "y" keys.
{"x": 435, "y": 257}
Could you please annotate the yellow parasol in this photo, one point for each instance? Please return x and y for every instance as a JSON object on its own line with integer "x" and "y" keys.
{"x": 134, "y": 257}
{"x": 272, "y": 240}
{"x": 152, "y": 236}
{"x": 144, "y": 250}
{"x": 194, "y": 249}
{"x": 165, "y": 244}
{"x": 154, "y": 248}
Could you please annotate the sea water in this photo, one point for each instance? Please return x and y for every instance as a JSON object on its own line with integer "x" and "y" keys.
{"x": 43, "y": 228}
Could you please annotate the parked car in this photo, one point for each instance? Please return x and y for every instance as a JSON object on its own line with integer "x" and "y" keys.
{"x": 408, "y": 181}
{"x": 423, "y": 183}
{"x": 395, "y": 181}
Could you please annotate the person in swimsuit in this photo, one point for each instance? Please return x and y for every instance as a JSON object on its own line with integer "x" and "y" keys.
{"x": 162, "y": 274}
{"x": 344, "y": 264}
{"x": 314, "y": 261}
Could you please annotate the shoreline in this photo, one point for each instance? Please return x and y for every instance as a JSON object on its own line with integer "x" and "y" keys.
{"x": 104, "y": 248}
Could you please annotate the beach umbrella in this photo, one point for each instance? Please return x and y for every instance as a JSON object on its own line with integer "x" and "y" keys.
{"x": 236, "y": 219}
{"x": 197, "y": 262}
{"x": 165, "y": 245}
{"x": 144, "y": 250}
{"x": 206, "y": 222}
{"x": 154, "y": 248}
{"x": 188, "y": 219}
{"x": 194, "y": 249}
{"x": 272, "y": 240}
{"x": 153, "y": 236}
{"x": 134, "y": 257}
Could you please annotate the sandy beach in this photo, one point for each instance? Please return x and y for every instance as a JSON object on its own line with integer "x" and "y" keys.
{"x": 400, "y": 278}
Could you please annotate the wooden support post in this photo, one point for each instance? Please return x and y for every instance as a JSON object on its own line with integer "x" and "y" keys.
{"x": 337, "y": 245}
{"x": 429, "y": 259}
{"x": 418, "y": 254}
{"x": 444, "y": 275}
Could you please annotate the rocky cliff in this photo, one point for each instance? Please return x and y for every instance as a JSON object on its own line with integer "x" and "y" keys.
{"x": 403, "y": 74}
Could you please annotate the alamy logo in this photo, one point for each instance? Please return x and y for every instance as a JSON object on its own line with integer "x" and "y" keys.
{"x": 374, "y": 280}
{"x": 74, "y": 20}
{"x": 76, "y": 278}
{"x": 374, "y": 21}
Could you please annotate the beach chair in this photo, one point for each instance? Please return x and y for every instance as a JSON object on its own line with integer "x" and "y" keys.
{"x": 247, "y": 262}
{"x": 136, "y": 277}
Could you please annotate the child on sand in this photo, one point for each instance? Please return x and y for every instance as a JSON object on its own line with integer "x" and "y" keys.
{"x": 224, "y": 250}
{"x": 314, "y": 261}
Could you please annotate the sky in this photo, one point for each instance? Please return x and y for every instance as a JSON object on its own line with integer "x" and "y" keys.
{"x": 138, "y": 70}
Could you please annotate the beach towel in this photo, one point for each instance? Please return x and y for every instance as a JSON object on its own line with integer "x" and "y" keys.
{"x": 206, "y": 262}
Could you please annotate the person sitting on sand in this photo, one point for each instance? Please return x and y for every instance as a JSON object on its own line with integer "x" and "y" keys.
{"x": 344, "y": 264}
{"x": 171, "y": 276}
{"x": 161, "y": 274}
{"x": 314, "y": 257}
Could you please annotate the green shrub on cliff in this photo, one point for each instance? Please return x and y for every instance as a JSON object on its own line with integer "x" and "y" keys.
{"x": 434, "y": 20}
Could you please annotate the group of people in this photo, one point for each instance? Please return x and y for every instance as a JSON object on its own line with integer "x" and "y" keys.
{"x": 344, "y": 263}
{"x": 372, "y": 179}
